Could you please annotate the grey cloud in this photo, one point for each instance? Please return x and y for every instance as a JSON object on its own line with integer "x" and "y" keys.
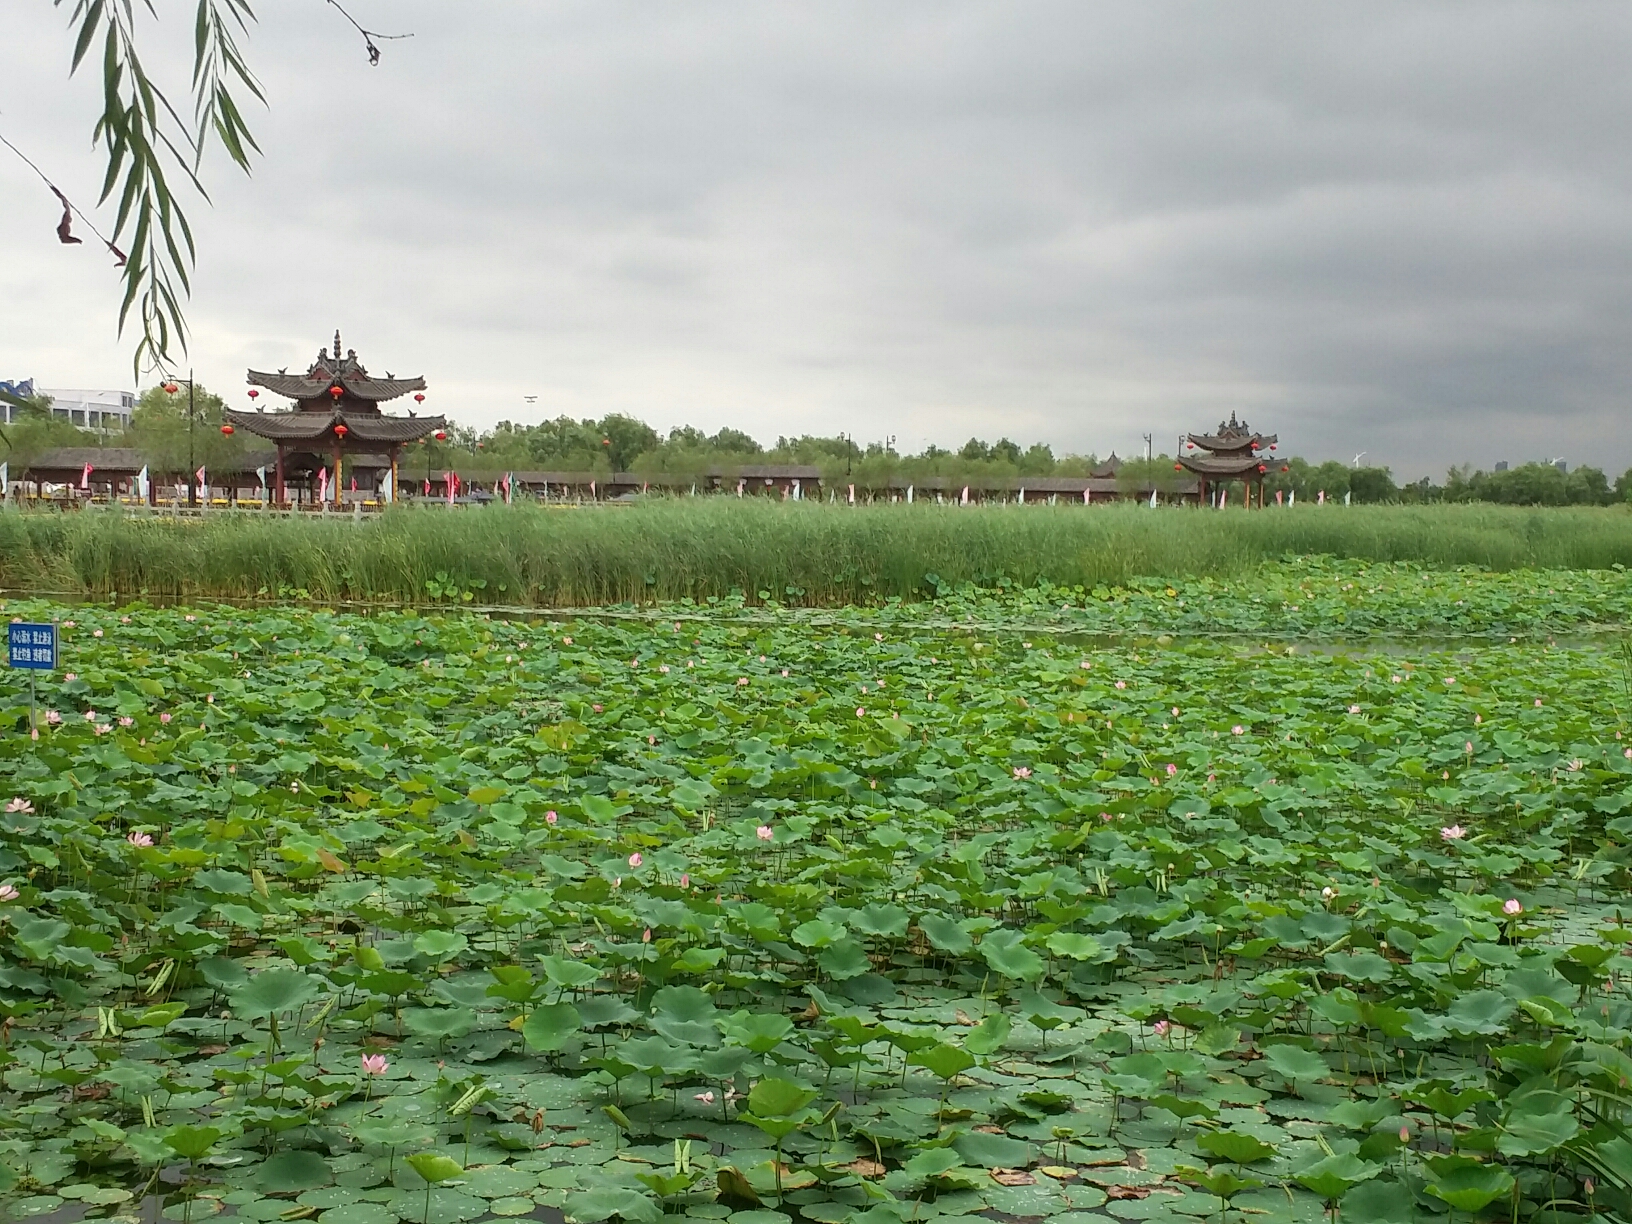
{"x": 1400, "y": 228}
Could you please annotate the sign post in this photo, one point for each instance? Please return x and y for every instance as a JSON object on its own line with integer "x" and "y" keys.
{"x": 34, "y": 648}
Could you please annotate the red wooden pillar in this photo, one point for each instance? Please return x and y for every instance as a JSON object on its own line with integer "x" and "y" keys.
{"x": 277, "y": 479}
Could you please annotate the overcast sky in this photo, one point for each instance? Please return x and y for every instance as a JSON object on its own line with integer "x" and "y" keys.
{"x": 1395, "y": 228}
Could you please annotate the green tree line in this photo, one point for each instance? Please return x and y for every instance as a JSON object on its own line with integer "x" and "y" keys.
{"x": 171, "y": 440}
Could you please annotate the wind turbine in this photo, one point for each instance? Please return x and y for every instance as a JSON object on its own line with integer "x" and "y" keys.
{"x": 1359, "y": 457}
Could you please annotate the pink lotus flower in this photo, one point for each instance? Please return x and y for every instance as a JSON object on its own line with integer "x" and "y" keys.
{"x": 741, "y": 681}
{"x": 191, "y": 617}
{"x": 126, "y": 720}
{"x": 375, "y": 1064}
{"x": 70, "y": 678}
{"x": 1511, "y": 907}
{"x": 784, "y": 671}
{"x": 8, "y": 893}
{"x": 1238, "y": 729}
{"x": 19, "y": 804}
{"x": 647, "y": 936}
{"x": 1453, "y": 832}
{"x": 1022, "y": 771}
{"x": 67, "y": 624}
{"x": 52, "y": 717}
{"x": 1395, "y": 679}
{"x": 635, "y": 860}
{"x": 1175, "y": 711}
{"x": 861, "y": 712}
{"x": 1354, "y": 709}
{"x": 550, "y": 818}
{"x": 1172, "y": 769}
{"x": 1085, "y": 665}
{"x": 707, "y": 1098}
{"x": 664, "y": 669}
{"x": 685, "y": 879}
{"x": 140, "y": 840}
{"x": 1405, "y": 1134}
{"x": 1575, "y": 765}
{"x": 1161, "y": 1027}
{"x": 165, "y": 717}
{"x": 1538, "y": 703}
{"x": 90, "y": 715}
{"x": 1477, "y": 719}
{"x": 294, "y": 788}
{"x": 618, "y": 882}
{"x": 124, "y": 620}
{"x": 1450, "y": 679}
{"x": 596, "y": 707}
{"x": 1327, "y": 893}
{"x": 878, "y": 637}
{"x": 1105, "y": 816}
{"x": 1121, "y": 684}
{"x": 1468, "y": 747}
{"x": 102, "y": 728}
{"x": 566, "y": 641}
{"x": 764, "y": 833}
{"x": 96, "y": 633}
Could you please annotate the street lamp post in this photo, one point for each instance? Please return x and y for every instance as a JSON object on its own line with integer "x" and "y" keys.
{"x": 192, "y": 462}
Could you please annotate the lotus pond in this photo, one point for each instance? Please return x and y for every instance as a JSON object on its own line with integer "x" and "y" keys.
{"x": 437, "y": 917}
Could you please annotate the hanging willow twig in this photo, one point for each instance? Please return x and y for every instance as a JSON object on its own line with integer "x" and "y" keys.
{"x": 368, "y": 35}
{"x": 150, "y": 145}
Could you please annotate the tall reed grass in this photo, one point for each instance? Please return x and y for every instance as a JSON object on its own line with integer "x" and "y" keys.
{"x": 799, "y": 553}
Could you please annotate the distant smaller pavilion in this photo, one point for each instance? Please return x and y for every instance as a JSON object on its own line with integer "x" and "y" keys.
{"x": 1234, "y": 452}
{"x": 336, "y": 414}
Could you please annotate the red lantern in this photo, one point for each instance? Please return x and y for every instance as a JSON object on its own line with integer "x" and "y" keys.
{"x": 254, "y": 394}
{"x": 440, "y": 436}
{"x": 171, "y": 388}
{"x": 1284, "y": 468}
{"x": 419, "y": 397}
{"x": 606, "y": 441}
{"x": 340, "y": 431}
{"x": 1272, "y": 446}
{"x": 227, "y": 429}
{"x": 337, "y": 391}
{"x": 1178, "y": 467}
{"x": 1189, "y": 446}
{"x": 1262, "y": 469}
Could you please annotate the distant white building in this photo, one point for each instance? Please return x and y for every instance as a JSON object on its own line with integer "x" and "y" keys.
{"x": 23, "y": 388}
{"x": 107, "y": 411}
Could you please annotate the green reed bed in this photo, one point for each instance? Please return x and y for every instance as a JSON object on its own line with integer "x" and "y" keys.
{"x": 811, "y": 553}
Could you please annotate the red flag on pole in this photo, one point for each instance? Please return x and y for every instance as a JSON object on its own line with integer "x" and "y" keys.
{"x": 85, "y": 477}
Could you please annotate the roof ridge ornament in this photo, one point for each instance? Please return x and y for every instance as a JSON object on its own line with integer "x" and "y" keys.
{"x": 337, "y": 344}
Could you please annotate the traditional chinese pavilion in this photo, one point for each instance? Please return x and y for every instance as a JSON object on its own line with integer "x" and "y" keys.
{"x": 1234, "y": 452}
{"x": 336, "y": 414}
